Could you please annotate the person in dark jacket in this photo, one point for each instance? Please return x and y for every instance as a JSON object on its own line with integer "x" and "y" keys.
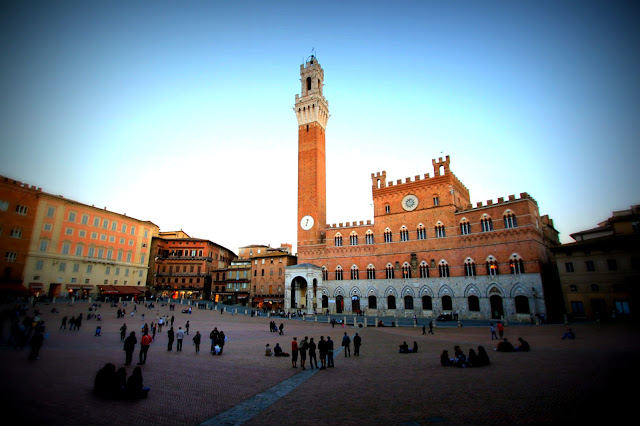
{"x": 524, "y": 345}
{"x": 129, "y": 347}
{"x": 170, "y": 335}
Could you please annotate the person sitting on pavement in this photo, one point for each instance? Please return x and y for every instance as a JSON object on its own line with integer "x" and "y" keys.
{"x": 268, "y": 350}
{"x": 415, "y": 348}
{"x": 569, "y": 335}
{"x": 404, "y": 348}
{"x": 460, "y": 359}
{"x": 505, "y": 346}
{"x": 473, "y": 358}
{"x": 134, "y": 389}
{"x": 524, "y": 345}
{"x": 483, "y": 358}
{"x": 445, "y": 361}
{"x": 277, "y": 351}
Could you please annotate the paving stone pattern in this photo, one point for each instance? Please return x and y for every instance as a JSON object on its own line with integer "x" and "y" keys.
{"x": 558, "y": 381}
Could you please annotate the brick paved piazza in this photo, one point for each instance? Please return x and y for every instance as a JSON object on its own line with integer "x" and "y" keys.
{"x": 559, "y": 381}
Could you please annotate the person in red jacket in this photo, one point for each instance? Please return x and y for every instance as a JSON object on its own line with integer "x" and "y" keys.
{"x": 144, "y": 347}
{"x": 294, "y": 352}
{"x": 500, "y": 328}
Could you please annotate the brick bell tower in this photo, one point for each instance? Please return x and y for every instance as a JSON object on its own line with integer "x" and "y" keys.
{"x": 312, "y": 112}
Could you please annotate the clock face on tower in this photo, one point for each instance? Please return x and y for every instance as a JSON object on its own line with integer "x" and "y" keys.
{"x": 306, "y": 223}
{"x": 410, "y": 202}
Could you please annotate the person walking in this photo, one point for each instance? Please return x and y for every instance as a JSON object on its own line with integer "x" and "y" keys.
{"x": 196, "y": 341}
{"x": 329, "y": 352}
{"x": 294, "y": 352}
{"x": 424, "y": 330}
{"x": 64, "y": 323}
{"x": 322, "y": 348}
{"x": 179, "y": 338}
{"x": 172, "y": 318}
{"x": 281, "y": 328}
{"x": 500, "y": 328}
{"x": 145, "y": 342}
{"x": 357, "y": 341}
{"x": 346, "y": 342}
{"x": 129, "y": 347}
{"x": 431, "y": 327}
{"x": 170, "y": 335}
{"x": 312, "y": 354}
{"x": 79, "y": 322}
{"x": 187, "y": 327}
{"x": 493, "y": 332}
{"x": 36, "y": 343}
{"x": 123, "y": 332}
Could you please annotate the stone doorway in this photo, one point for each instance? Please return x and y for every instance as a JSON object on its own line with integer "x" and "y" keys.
{"x": 497, "y": 310}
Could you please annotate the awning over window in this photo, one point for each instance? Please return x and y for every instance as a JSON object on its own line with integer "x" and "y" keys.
{"x": 88, "y": 287}
{"x": 126, "y": 290}
{"x": 13, "y": 288}
{"x": 108, "y": 289}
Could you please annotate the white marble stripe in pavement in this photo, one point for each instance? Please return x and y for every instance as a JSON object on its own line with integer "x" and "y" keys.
{"x": 250, "y": 408}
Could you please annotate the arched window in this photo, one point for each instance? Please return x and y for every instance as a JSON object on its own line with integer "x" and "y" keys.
{"x": 422, "y": 232}
{"x": 424, "y": 270}
{"x": 447, "y": 303}
{"x": 492, "y": 266}
{"x": 387, "y": 236}
{"x": 509, "y": 219}
{"x": 426, "y": 303}
{"x": 474, "y": 303}
{"x": 486, "y": 224}
{"x": 469, "y": 268}
{"x": 325, "y": 273}
{"x": 440, "y": 233}
{"x": 371, "y": 272}
{"x": 406, "y": 270}
{"x": 339, "y": 273}
{"x": 389, "y": 271}
{"x": 522, "y": 304}
{"x": 308, "y": 83}
{"x": 338, "y": 240}
{"x": 465, "y": 227}
{"x": 369, "y": 237}
{"x": 353, "y": 239}
{"x": 404, "y": 234}
{"x": 443, "y": 268}
{"x": 516, "y": 264}
{"x": 373, "y": 302}
{"x": 391, "y": 302}
{"x": 354, "y": 272}
{"x": 408, "y": 302}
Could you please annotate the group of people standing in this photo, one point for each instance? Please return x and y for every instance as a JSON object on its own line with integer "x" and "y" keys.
{"x": 307, "y": 347}
{"x": 218, "y": 340}
{"x": 274, "y": 328}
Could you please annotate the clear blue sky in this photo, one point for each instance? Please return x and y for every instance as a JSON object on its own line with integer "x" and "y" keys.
{"x": 181, "y": 112}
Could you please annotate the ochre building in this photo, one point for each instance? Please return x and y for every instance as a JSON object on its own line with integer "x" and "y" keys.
{"x": 600, "y": 271}
{"x": 57, "y": 247}
{"x": 427, "y": 251}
